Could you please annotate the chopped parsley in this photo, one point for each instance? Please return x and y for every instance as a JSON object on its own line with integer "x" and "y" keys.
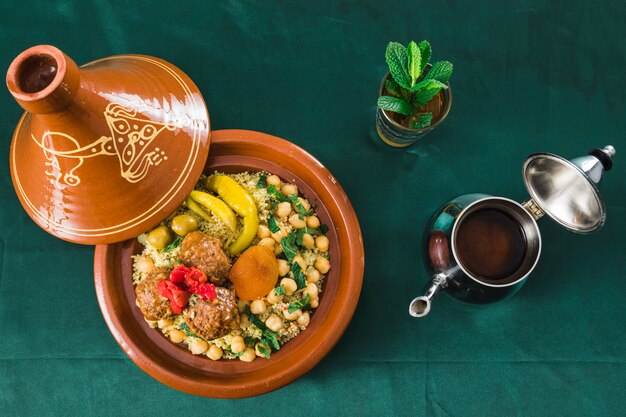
{"x": 288, "y": 244}
{"x": 271, "y": 190}
{"x": 298, "y": 275}
{"x": 173, "y": 245}
{"x": 185, "y": 328}
{"x": 262, "y": 181}
{"x": 302, "y": 212}
{"x": 299, "y": 304}
{"x": 271, "y": 224}
{"x": 280, "y": 290}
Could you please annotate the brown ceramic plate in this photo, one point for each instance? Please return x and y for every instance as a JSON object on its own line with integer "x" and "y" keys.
{"x": 236, "y": 151}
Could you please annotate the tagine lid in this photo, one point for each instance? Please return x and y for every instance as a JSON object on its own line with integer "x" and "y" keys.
{"x": 106, "y": 151}
{"x": 567, "y": 190}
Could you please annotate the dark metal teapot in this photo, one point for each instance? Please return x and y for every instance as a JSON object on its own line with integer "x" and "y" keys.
{"x": 480, "y": 248}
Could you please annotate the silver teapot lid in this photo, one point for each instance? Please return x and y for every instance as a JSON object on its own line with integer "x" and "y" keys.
{"x": 567, "y": 190}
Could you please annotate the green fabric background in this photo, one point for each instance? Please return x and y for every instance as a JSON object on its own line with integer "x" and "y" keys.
{"x": 529, "y": 76}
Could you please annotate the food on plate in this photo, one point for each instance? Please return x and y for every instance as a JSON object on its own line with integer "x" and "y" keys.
{"x": 237, "y": 270}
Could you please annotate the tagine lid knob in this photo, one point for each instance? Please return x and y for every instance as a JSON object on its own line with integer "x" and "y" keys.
{"x": 105, "y": 151}
{"x": 567, "y": 190}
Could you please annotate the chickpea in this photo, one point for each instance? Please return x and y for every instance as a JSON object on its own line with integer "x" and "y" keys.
{"x": 300, "y": 261}
{"x": 313, "y": 275}
{"x": 290, "y": 285}
{"x": 198, "y": 346}
{"x": 262, "y": 346}
{"x": 308, "y": 241}
{"x": 313, "y": 222}
{"x": 215, "y": 353}
{"x": 289, "y": 189}
{"x": 263, "y": 231}
{"x": 248, "y": 355}
{"x": 283, "y": 209}
{"x": 274, "y": 298}
{"x": 183, "y": 224}
{"x": 305, "y": 203}
{"x": 244, "y": 320}
{"x": 159, "y": 237}
{"x": 296, "y": 221}
{"x": 163, "y": 323}
{"x": 322, "y": 243}
{"x": 311, "y": 290}
{"x": 258, "y": 307}
{"x": 304, "y": 319}
{"x": 278, "y": 250}
{"x": 268, "y": 241}
{"x": 322, "y": 265}
{"x": 314, "y": 303}
{"x": 274, "y": 323}
{"x": 280, "y": 234}
{"x": 176, "y": 335}
{"x": 237, "y": 344}
{"x": 292, "y": 316}
{"x": 241, "y": 305}
{"x": 283, "y": 267}
{"x": 144, "y": 264}
{"x": 274, "y": 180}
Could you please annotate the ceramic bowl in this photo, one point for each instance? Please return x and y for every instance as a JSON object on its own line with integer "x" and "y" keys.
{"x": 236, "y": 151}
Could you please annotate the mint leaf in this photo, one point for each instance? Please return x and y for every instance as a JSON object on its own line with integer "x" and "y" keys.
{"x": 425, "y": 51}
{"x": 440, "y": 71}
{"x": 249, "y": 341}
{"x": 323, "y": 229}
{"x": 173, "y": 245}
{"x": 271, "y": 190}
{"x": 298, "y": 304}
{"x": 264, "y": 351}
{"x": 394, "y": 104}
{"x": 396, "y": 57}
{"x": 301, "y": 210}
{"x": 271, "y": 224}
{"x": 185, "y": 328}
{"x": 414, "y": 62}
{"x": 280, "y": 290}
{"x": 300, "y": 233}
{"x": 421, "y": 121}
{"x": 427, "y": 90}
{"x": 270, "y": 338}
{"x": 392, "y": 87}
{"x": 288, "y": 244}
{"x": 262, "y": 181}
{"x": 298, "y": 275}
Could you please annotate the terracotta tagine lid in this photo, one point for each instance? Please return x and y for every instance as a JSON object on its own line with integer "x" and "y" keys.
{"x": 104, "y": 151}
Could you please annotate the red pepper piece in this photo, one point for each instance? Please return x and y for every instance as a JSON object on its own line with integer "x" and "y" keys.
{"x": 163, "y": 289}
{"x": 180, "y": 298}
{"x": 206, "y": 291}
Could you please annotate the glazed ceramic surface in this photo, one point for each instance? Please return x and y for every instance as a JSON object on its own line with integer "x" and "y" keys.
{"x": 106, "y": 150}
{"x": 235, "y": 151}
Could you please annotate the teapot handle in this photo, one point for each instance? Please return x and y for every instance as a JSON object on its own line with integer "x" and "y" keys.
{"x": 420, "y": 306}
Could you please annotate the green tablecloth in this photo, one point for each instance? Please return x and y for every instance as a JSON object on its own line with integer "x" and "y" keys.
{"x": 529, "y": 76}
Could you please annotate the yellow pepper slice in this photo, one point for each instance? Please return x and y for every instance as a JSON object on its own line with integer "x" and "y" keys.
{"x": 193, "y": 206}
{"x": 250, "y": 228}
{"x": 233, "y": 194}
{"x": 217, "y": 207}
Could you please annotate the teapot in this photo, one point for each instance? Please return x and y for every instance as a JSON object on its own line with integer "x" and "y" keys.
{"x": 481, "y": 249}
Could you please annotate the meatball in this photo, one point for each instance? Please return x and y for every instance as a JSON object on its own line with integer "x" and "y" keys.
{"x": 150, "y": 302}
{"x": 205, "y": 253}
{"x": 212, "y": 319}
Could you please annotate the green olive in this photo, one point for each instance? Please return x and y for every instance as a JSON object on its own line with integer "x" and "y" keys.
{"x": 183, "y": 224}
{"x": 159, "y": 237}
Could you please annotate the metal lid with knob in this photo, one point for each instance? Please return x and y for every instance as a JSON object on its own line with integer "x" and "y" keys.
{"x": 567, "y": 190}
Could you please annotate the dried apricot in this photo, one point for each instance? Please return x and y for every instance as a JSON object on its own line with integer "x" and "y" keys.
{"x": 255, "y": 273}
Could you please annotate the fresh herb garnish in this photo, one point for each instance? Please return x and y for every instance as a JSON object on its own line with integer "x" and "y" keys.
{"x": 264, "y": 351}
{"x": 249, "y": 341}
{"x": 271, "y": 190}
{"x": 268, "y": 337}
{"x": 299, "y": 304}
{"x": 173, "y": 245}
{"x": 185, "y": 328}
{"x": 271, "y": 224}
{"x": 288, "y": 244}
{"x": 262, "y": 181}
{"x": 238, "y": 354}
{"x": 300, "y": 233}
{"x": 302, "y": 212}
{"x": 323, "y": 229}
{"x": 280, "y": 290}
{"x": 298, "y": 275}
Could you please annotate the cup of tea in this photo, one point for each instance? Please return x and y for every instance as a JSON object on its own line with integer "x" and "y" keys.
{"x": 481, "y": 248}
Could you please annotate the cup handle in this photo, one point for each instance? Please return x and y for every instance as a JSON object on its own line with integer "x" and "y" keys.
{"x": 420, "y": 306}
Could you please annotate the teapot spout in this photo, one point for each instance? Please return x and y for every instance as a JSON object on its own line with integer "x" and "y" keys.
{"x": 420, "y": 306}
